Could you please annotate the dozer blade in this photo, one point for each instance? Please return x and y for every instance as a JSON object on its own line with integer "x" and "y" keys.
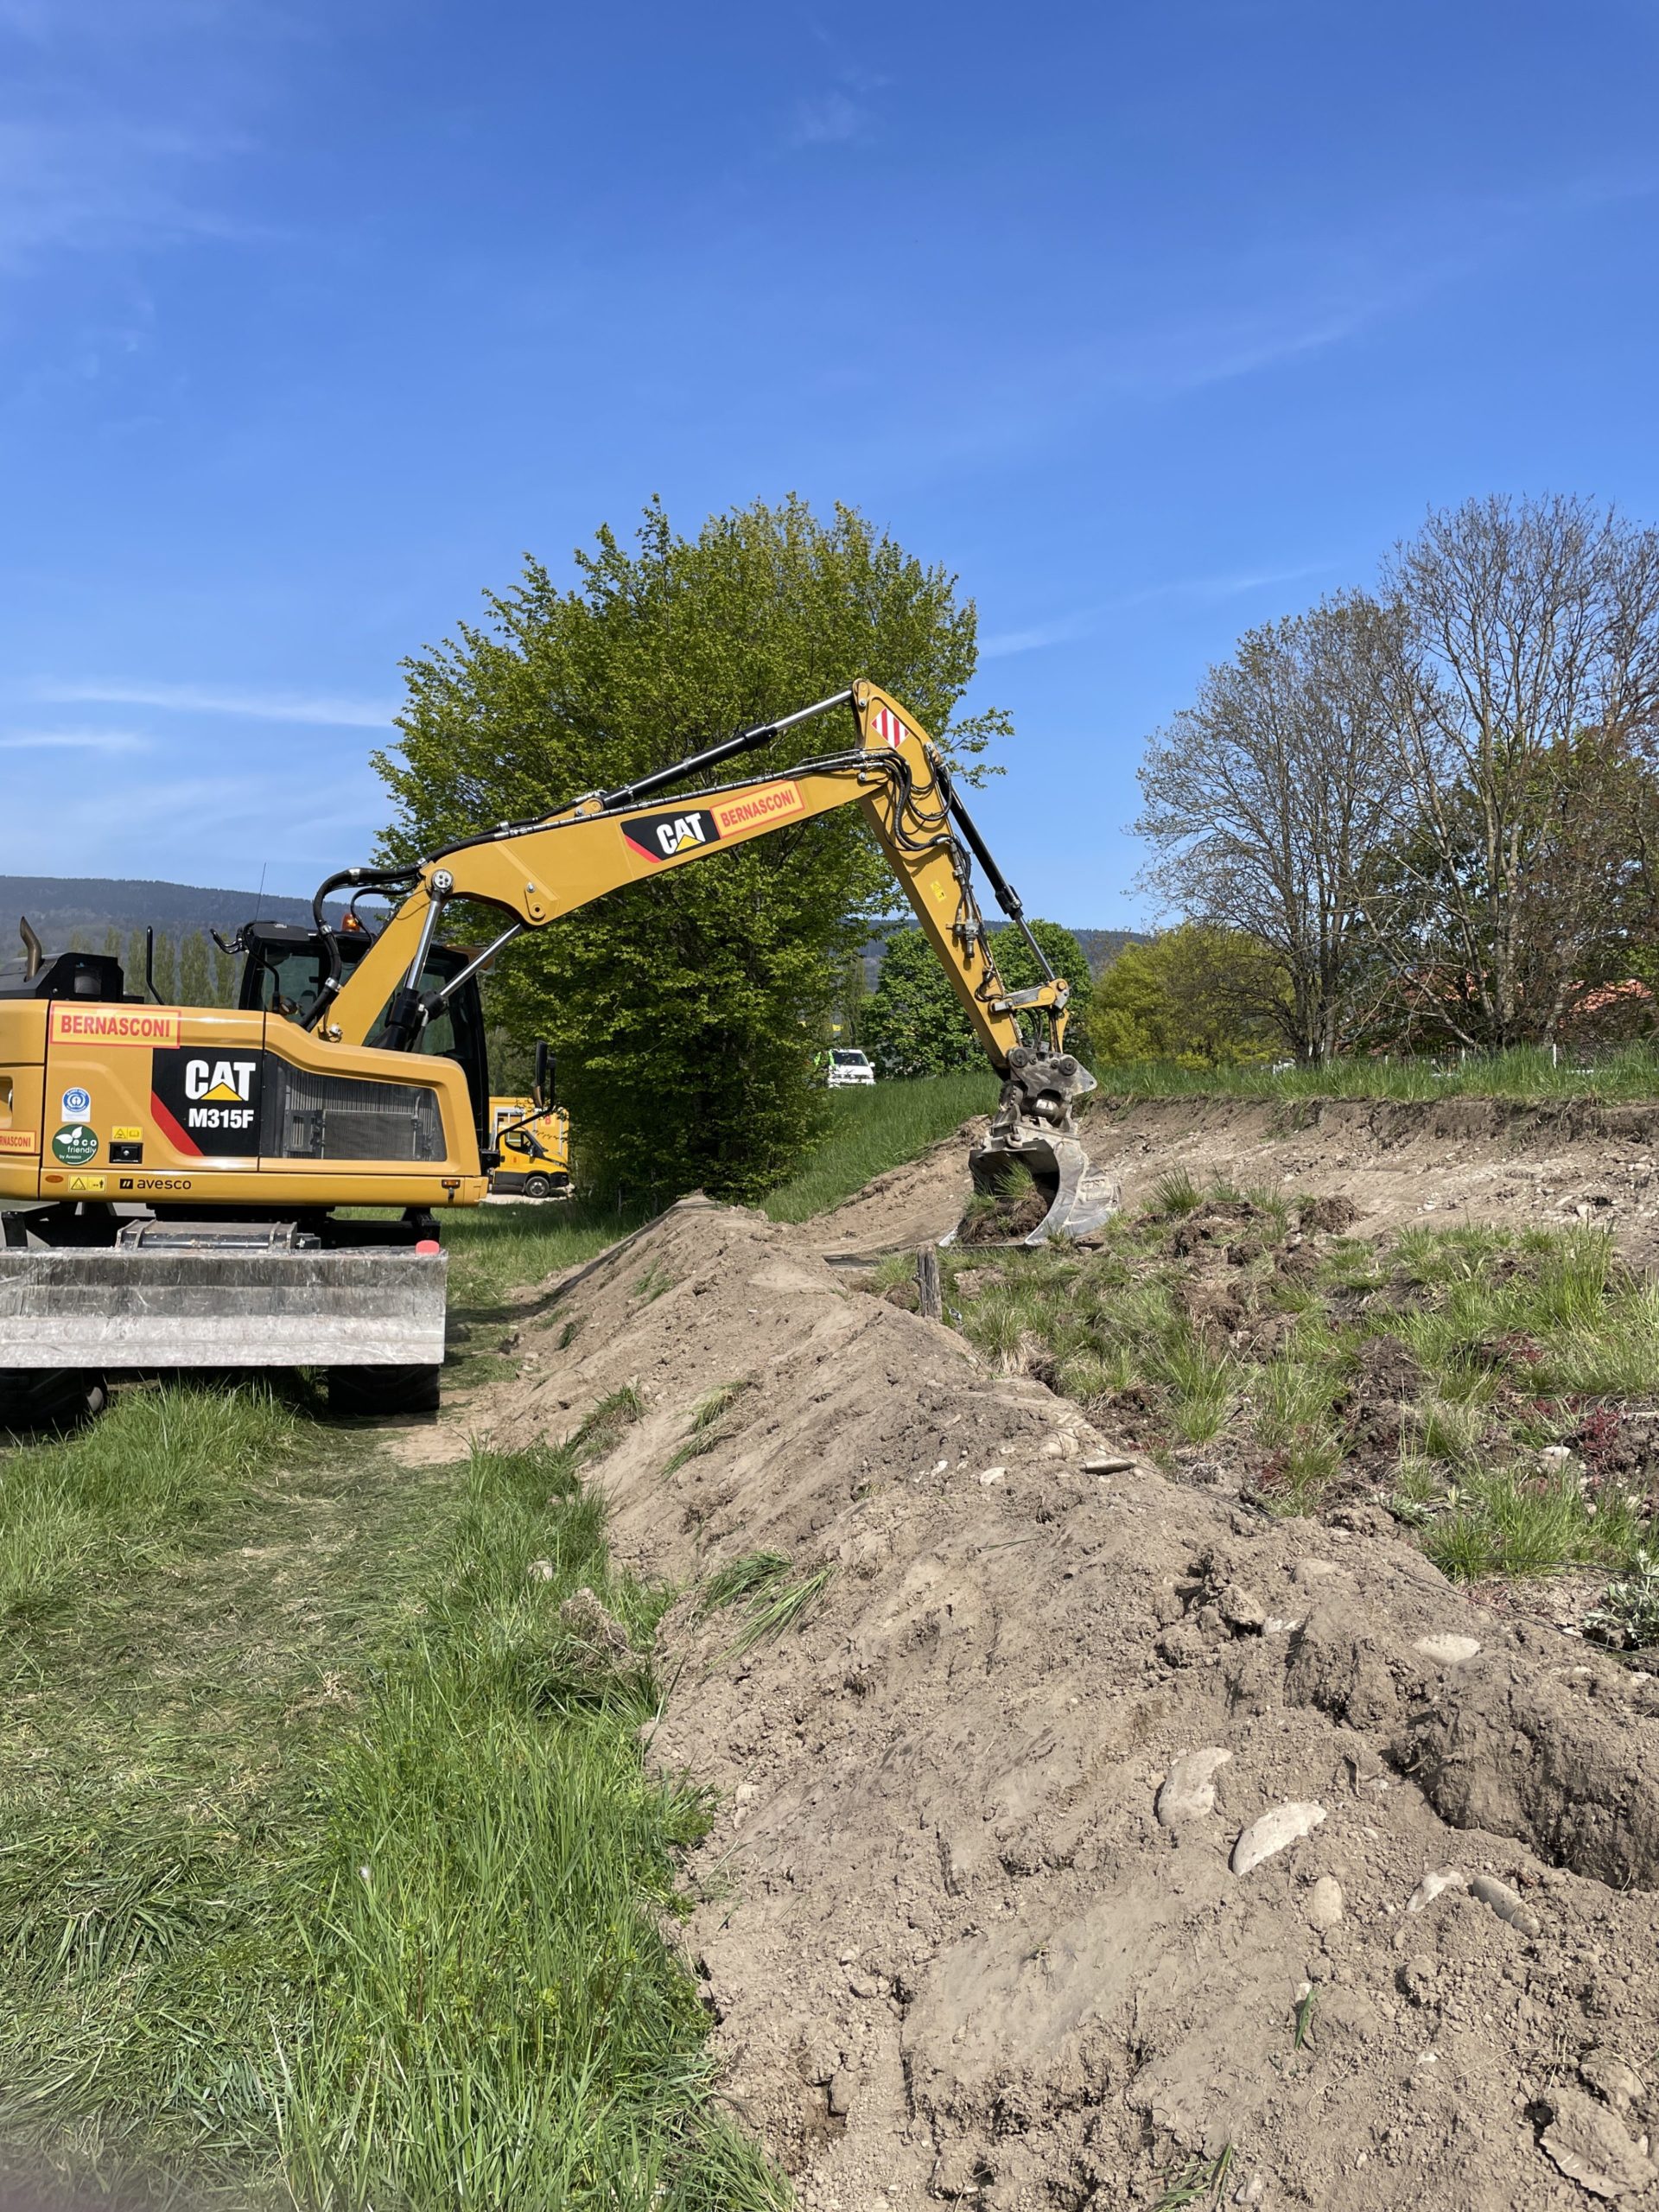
{"x": 1076, "y": 1195}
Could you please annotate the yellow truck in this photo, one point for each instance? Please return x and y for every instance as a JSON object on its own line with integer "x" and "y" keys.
{"x": 534, "y": 1142}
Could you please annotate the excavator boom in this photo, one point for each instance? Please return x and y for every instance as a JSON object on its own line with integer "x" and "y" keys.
{"x": 535, "y": 872}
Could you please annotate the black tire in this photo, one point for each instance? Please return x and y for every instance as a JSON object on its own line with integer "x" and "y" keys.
{"x": 537, "y": 1186}
{"x": 384, "y": 1389}
{"x": 50, "y": 1397}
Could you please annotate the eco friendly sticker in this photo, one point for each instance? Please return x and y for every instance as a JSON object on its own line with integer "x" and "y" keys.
{"x": 77, "y": 1105}
{"x": 75, "y": 1144}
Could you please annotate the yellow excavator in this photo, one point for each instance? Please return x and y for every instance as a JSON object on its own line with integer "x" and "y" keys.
{"x": 183, "y": 1186}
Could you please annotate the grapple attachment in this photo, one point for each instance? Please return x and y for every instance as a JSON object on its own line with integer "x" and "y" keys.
{"x": 1034, "y": 1129}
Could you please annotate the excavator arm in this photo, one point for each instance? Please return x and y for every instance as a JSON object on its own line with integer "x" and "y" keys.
{"x": 534, "y": 872}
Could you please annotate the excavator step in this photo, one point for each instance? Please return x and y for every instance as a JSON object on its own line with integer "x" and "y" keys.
{"x": 209, "y": 1305}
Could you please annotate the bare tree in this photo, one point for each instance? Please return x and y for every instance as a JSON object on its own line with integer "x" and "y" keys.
{"x": 1522, "y": 680}
{"x": 1266, "y": 799}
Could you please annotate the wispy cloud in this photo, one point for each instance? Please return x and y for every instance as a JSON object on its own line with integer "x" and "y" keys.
{"x": 1060, "y": 632}
{"x": 207, "y": 699}
{"x": 1064, "y": 629}
{"x": 830, "y": 119}
{"x": 73, "y": 741}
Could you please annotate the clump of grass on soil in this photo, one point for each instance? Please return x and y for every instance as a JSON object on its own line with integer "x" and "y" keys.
{"x": 1499, "y": 1389}
{"x": 333, "y": 1877}
{"x": 769, "y": 1597}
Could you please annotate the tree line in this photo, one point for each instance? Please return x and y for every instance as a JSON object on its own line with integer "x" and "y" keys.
{"x": 189, "y": 970}
{"x": 1427, "y": 814}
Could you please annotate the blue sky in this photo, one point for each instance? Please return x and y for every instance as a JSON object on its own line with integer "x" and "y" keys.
{"x": 1153, "y": 319}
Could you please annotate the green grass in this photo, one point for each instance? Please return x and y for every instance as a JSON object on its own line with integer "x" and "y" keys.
{"x": 1487, "y": 1384}
{"x": 1524, "y": 1073}
{"x": 869, "y": 1131}
{"x": 332, "y": 1875}
{"x": 122, "y": 1493}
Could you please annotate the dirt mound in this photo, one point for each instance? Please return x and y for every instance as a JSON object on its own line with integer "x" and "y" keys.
{"x": 1081, "y": 1834}
{"x": 1386, "y": 1162}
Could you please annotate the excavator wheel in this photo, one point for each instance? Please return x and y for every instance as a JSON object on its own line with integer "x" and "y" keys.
{"x": 50, "y": 1397}
{"x": 384, "y": 1390}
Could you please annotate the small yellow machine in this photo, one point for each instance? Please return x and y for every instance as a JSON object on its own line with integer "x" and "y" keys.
{"x": 533, "y": 1139}
{"x": 175, "y": 1180}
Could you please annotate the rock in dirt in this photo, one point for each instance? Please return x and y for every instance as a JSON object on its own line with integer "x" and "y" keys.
{"x": 1506, "y": 1902}
{"x": 1592, "y": 2148}
{"x": 1607, "y": 2074}
{"x": 603, "y": 1634}
{"x": 1446, "y": 1650}
{"x": 1189, "y": 1788}
{"x": 1273, "y": 1833}
{"x": 1324, "y": 1906}
{"x": 1442, "y": 1877}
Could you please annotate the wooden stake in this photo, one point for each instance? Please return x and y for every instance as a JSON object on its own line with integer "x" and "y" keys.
{"x": 930, "y": 1294}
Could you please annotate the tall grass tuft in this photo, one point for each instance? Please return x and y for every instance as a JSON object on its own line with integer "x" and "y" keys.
{"x": 118, "y": 1494}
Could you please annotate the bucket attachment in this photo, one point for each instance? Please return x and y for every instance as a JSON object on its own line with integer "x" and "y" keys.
{"x": 1034, "y": 1129}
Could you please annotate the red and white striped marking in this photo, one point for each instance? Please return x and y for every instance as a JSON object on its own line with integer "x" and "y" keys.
{"x": 889, "y": 728}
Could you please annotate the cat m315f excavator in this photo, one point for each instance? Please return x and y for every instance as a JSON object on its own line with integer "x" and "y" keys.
{"x": 182, "y": 1186}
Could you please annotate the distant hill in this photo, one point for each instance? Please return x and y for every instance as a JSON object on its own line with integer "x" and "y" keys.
{"x": 1102, "y": 947}
{"x": 59, "y": 907}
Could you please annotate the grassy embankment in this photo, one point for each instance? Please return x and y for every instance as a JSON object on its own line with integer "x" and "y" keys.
{"x": 1526, "y": 1073}
{"x": 332, "y": 1872}
{"x": 1499, "y": 1389}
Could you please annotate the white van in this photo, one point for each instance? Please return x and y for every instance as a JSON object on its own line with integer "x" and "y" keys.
{"x": 848, "y": 1067}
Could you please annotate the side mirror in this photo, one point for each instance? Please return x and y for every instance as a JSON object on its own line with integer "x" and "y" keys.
{"x": 542, "y": 1087}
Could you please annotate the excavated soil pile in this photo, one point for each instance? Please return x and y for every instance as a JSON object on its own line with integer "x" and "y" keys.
{"x": 1484, "y": 1158}
{"x": 1092, "y": 1835}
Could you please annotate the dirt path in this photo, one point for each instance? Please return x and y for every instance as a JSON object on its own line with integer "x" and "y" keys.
{"x": 959, "y": 1945}
{"x": 1462, "y": 1159}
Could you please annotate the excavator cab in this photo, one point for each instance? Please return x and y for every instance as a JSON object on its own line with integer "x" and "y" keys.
{"x": 283, "y": 970}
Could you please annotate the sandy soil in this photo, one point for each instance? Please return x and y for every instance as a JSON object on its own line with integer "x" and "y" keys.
{"x": 976, "y": 1919}
{"x": 1465, "y": 1158}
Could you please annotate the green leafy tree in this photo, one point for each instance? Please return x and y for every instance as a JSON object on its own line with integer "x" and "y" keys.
{"x": 685, "y": 1012}
{"x": 195, "y": 983}
{"x": 915, "y": 1024}
{"x": 1191, "y": 996}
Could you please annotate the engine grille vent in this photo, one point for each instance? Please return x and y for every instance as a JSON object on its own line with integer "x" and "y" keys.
{"x": 307, "y": 1117}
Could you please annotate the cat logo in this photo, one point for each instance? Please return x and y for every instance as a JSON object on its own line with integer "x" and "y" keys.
{"x": 207, "y": 1106}
{"x": 663, "y": 837}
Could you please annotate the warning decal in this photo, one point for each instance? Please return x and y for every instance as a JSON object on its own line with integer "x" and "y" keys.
{"x": 887, "y": 726}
